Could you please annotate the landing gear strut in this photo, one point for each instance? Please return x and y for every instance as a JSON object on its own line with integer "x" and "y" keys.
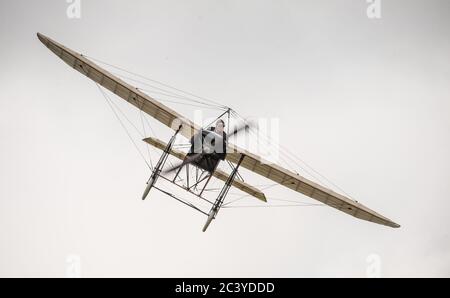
{"x": 162, "y": 160}
{"x": 222, "y": 195}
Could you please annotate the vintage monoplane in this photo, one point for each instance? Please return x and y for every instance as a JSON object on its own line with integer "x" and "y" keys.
{"x": 200, "y": 160}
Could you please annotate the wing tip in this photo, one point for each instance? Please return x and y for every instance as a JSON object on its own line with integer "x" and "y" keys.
{"x": 41, "y": 37}
{"x": 263, "y": 198}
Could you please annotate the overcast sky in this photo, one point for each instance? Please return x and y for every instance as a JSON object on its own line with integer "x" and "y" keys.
{"x": 365, "y": 101}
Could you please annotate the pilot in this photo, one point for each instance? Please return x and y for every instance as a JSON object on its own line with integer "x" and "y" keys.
{"x": 219, "y": 129}
{"x": 212, "y": 146}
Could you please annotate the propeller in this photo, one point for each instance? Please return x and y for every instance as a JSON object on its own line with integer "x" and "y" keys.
{"x": 197, "y": 156}
{"x": 187, "y": 160}
{"x": 240, "y": 128}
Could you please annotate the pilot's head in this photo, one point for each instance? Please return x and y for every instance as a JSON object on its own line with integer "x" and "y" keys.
{"x": 220, "y": 125}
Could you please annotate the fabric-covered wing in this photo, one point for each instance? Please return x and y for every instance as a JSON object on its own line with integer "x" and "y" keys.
{"x": 217, "y": 173}
{"x": 307, "y": 187}
{"x": 124, "y": 90}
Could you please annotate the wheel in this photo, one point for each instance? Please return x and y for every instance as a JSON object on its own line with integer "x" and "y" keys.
{"x": 150, "y": 184}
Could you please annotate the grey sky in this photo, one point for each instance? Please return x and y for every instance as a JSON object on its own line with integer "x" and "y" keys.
{"x": 366, "y": 102}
